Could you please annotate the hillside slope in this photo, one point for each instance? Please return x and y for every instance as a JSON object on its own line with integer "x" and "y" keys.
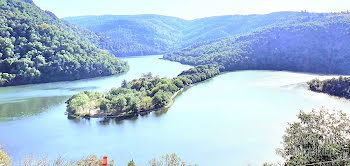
{"x": 154, "y": 34}
{"x": 134, "y": 35}
{"x": 314, "y": 46}
{"x": 37, "y": 47}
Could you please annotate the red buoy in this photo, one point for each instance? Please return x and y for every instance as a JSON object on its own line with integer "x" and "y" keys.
{"x": 104, "y": 161}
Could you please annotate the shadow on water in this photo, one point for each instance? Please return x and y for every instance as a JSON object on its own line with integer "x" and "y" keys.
{"x": 28, "y": 107}
{"x": 113, "y": 121}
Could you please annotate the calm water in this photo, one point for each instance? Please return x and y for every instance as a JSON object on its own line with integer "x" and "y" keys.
{"x": 236, "y": 118}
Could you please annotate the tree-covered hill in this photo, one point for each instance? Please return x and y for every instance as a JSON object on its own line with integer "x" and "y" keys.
{"x": 37, "y": 47}
{"x": 212, "y": 28}
{"x": 134, "y": 35}
{"x": 154, "y": 34}
{"x": 313, "y": 46}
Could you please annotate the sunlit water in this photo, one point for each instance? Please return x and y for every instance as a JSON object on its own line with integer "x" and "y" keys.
{"x": 236, "y": 118}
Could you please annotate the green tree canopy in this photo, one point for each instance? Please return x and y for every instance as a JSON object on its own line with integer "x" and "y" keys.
{"x": 317, "y": 136}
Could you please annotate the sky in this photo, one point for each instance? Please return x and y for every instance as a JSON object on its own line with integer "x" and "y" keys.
{"x": 187, "y": 9}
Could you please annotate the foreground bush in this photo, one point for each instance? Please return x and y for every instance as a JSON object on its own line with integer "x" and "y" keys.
{"x": 169, "y": 160}
{"x": 93, "y": 160}
{"x": 318, "y": 136}
{"x": 4, "y": 158}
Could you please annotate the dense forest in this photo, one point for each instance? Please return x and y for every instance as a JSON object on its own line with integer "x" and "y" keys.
{"x": 336, "y": 86}
{"x": 315, "y": 46}
{"x": 134, "y": 35}
{"x": 37, "y": 47}
{"x": 154, "y": 34}
{"x": 140, "y": 95}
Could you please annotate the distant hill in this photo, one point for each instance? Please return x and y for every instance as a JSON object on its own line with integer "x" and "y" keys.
{"x": 134, "y": 35}
{"x": 154, "y": 34}
{"x": 37, "y": 47}
{"x": 318, "y": 45}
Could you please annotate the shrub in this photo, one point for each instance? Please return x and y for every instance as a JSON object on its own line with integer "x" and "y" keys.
{"x": 4, "y": 158}
{"x": 318, "y": 136}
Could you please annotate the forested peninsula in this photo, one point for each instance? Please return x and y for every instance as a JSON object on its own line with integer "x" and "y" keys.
{"x": 339, "y": 87}
{"x": 37, "y": 47}
{"x": 143, "y": 95}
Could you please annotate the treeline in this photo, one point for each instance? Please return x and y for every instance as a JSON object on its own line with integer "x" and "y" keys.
{"x": 92, "y": 160}
{"x": 127, "y": 35}
{"x": 37, "y": 47}
{"x": 134, "y": 35}
{"x": 336, "y": 86}
{"x": 315, "y": 46}
{"x": 140, "y": 95}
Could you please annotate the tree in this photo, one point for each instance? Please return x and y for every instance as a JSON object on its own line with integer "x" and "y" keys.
{"x": 146, "y": 103}
{"x": 131, "y": 163}
{"x": 4, "y": 158}
{"x": 318, "y": 136}
{"x": 77, "y": 102}
{"x": 124, "y": 84}
{"x": 161, "y": 99}
{"x": 147, "y": 75}
{"x": 178, "y": 83}
{"x": 169, "y": 160}
{"x": 118, "y": 103}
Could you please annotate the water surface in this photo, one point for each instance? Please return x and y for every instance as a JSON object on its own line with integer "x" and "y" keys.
{"x": 236, "y": 118}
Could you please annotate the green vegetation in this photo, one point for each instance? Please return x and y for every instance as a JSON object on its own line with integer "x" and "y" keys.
{"x": 319, "y": 46}
{"x": 318, "y": 136}
{"x": 336, "y": 86}
{"x": 92, "y": 160}
{"x": 134, "y": 35}
{"x": 169, "y": 160}
{"x": 153, "y": 34}
{"x": 37, "y": 47}
{"x": 4, "y": 158}
{"x": 131, "y": 163}
{"x": 140, "y": 95}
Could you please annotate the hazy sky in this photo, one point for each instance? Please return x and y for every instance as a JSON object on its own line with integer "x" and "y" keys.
{"x": 187, "y": 9}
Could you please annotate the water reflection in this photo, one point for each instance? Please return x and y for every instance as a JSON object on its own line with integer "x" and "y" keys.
{"x": 29, "y": 100}
{"x": 114, "y": 121}
{"x": 28, "y": 107}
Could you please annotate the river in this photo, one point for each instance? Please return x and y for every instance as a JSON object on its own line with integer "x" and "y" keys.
{"x": 236, "y": 118}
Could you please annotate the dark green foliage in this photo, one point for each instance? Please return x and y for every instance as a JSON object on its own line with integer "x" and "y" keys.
{"x": 336, "y": 86}
{"x": 154, "y": 34}
{"x": 143, "y": 94}
{"x": 161, "y": 99}
{"x": 36, "y": 47}
{"x": 200, "y": 73}
{"x": 315, "y": 46}
{"x": 134, "y": 35}
{"x": 317, "y": 136}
